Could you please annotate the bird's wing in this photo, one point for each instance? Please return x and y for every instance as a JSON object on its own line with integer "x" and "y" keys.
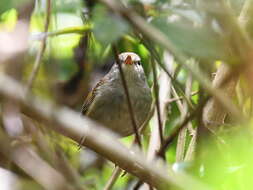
{"x": 90, "y": 98}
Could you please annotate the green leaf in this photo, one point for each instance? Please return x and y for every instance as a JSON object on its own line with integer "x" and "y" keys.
{"x": 194, "y": 41}
{"x": 8, "y": 4}
{"x": 5, "y": 5}
{"x": 108, "y": 28}
{"x": 72, "y": 6}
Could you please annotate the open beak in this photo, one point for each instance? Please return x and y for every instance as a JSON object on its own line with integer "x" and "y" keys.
{"x": 128, "y": 60}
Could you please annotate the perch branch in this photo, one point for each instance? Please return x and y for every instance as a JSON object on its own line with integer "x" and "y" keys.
{"x": 70, "y": 124}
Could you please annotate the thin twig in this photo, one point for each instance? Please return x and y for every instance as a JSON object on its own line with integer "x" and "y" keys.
{"x": 41, "y": 50}
{"x": 75, "y": 30}
{"x": 191, "y": 148}
{"x": 164, "y": 94}
{"x": 68, "y": 30}
{"x": 181, "y": 142}
{"x": 157, "y": 100}
{"x": 180, "y": 98}
{"x": 129, "y": 103}
{"x": 116, "y": 173}
{"x": 165, "y": 83}
{"x": 117, "y": 170}
{"x": 175, "y": 132}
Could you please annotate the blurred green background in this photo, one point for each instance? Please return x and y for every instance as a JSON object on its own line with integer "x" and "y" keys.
{"x": 78, "y": 53}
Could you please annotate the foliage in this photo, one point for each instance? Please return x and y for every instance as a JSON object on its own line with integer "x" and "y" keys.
{"x": 79, "y": 52}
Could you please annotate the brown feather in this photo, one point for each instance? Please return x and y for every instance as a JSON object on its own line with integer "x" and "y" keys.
{"x": 90, "y": 98}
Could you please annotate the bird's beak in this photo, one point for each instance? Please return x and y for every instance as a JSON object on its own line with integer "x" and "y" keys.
{"x": 128, "y": 60}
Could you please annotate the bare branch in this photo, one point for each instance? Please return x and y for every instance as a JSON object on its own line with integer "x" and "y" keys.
{"x": 28, "y": 160}
{"x": 99, "y": 139}
{"x": 191, "y": 148}
{"x": 181, "y": 142}
{"x": 155, "y": 54}
{"x": 165, "y": 88}
{"x": 41, "y": 50}
{"x": 175, "y": 132}
{"x": 165, "y": 83}
{"x": 157, "y": 100}
{"x": 180, "y": 97}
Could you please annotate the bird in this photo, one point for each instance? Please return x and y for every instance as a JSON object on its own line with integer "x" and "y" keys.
{"x": 107, "y": 102}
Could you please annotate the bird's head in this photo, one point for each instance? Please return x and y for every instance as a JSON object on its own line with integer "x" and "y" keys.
{"x": 131, "y": 65}
{"x": 129, "y": 58}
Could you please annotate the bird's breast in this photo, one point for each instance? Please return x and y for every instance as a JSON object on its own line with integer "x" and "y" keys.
{"x": 111, "y": 106}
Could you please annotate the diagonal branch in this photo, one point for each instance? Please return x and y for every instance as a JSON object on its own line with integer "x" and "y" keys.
{"x": 70, "y": 124}
{"x": 28, "y": 160}
{"x": 177, "y": 129}
{"x": 115, "y": 174}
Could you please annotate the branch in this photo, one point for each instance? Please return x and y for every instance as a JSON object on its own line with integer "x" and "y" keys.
{"x": 41, "y": 51}
{"x": 165, "y": 83}
{"x": 181, "y": 97}
{"x": 157, "y": 101}
{"x": 176, "y": 130}
{"x": 28, "y": 160}
{"x": 97, "y": 138}
{"x": 182, "y": 106}
{"x": 75, "y": 30}
{"x": 165, "y": 91}
{"x": 68, "y": 30}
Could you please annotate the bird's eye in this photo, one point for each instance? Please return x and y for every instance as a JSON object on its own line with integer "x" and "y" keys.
{"x": 138, "y": 62}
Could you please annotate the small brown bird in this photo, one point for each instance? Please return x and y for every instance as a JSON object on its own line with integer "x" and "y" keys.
{"x": 107, "y": 102}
